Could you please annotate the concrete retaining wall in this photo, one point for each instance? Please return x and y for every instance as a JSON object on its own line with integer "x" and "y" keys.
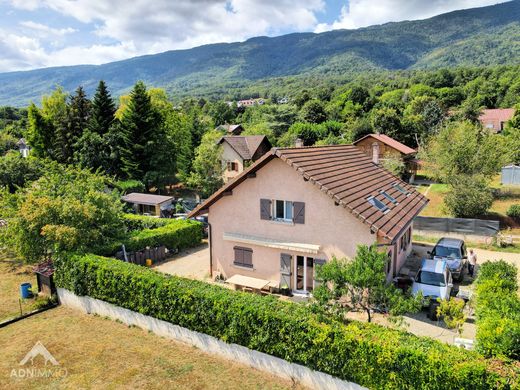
{"x": 209, "y": 344}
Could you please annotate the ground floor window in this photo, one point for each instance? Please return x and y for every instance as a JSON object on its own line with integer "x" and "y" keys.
{"x": 243, "y": 257}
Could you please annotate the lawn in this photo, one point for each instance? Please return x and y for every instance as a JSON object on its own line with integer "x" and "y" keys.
{"x": 506, "y": 196}
{"x": 12, "y": 274}
{"x": 435, "y": 193}
{"x": 100, "y": 353}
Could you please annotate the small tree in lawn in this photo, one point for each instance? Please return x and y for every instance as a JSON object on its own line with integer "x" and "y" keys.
{"x": 361, "y": 284}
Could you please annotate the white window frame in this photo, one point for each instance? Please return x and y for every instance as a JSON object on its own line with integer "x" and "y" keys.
{"x": 295, "y": 277}
{"x": 275, "y": 214}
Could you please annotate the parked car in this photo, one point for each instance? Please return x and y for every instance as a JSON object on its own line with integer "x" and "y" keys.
{"x": 453, "y": 251}
{"x": 433, "y": 280}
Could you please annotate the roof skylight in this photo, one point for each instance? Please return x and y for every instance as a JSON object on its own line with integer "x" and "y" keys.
{"x": 378, "y": 204}
{"x": 389, "y": 197}
{"x": 400, "y": 189}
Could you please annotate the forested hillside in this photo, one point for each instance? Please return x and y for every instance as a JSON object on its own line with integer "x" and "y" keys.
{"x": 475, "y": 37}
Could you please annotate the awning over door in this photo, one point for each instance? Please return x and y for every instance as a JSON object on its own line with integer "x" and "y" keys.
{"x": 272, "y": 243}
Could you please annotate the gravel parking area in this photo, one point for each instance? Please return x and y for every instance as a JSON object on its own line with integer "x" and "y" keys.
{"x": 191, "y": 263}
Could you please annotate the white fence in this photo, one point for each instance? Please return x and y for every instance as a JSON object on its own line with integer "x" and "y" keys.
{"x": 209, "y": 344}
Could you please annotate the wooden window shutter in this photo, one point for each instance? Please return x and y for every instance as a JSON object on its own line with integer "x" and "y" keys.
{"x": 239, "y": 255}
{"x": 285, "y": 270}
{"x": 317, "y": 264}
{"x": 247, "y": 257}
{"x": 265, "y": 209}
{"x": 299, "y": 212}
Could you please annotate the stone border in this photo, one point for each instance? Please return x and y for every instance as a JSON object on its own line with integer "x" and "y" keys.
{"x": 208, "y": 344}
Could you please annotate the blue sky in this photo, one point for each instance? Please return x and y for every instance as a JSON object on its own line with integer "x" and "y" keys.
{"x": 43, "y": 33}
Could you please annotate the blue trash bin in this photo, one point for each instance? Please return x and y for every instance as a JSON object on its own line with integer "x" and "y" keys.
{"x": 25, "y": 290}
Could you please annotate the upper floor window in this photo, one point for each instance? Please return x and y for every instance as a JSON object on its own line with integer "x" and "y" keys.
{"x": 282, "y": 210}
{"x": 232, "y": 166}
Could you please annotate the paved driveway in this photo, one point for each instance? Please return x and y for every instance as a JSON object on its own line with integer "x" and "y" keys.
{"x": 191, "y": 263}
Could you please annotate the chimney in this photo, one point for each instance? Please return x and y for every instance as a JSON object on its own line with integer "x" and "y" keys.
{"x": 375, "y": 153}
{"x": 298, "y": 143}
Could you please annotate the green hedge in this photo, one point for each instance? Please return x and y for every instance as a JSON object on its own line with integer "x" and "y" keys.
{"x": 367, "y": 354}
{"x": 140, "y": 222}
{"x": 498, "y": 310}
{"x": 152, "y": 232}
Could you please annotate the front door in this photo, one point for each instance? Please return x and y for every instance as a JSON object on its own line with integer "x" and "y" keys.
{"x": 304, "y": 274}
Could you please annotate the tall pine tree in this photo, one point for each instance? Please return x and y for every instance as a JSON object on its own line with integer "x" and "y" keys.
{"x": 103, "y": 110}
{"x": 78, "y": 114}
{"x": 141, "y": 130}
{"x": 93, "y": 148}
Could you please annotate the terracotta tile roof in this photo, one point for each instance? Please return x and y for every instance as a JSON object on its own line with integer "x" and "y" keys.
{"x": 390, "y": 142}
{"x": 148, "y": 199}
{"x": 349, "y": 177}
{"x": 496, "y": 116}
{"x": 45, "y": 268}
{"x": 245, "y": 146}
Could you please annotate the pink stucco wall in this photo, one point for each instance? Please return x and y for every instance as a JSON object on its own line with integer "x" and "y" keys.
{"x": 332, "y": 227}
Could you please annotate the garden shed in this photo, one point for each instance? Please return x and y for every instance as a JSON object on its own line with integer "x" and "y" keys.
{"x": 149, "y": 204}
{"x": 511, "y": 175}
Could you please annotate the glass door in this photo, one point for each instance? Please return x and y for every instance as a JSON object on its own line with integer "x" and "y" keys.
{"x": 300, "y": 273}
{"x": 309, "y": 277}
{"x": 304, "y": 274}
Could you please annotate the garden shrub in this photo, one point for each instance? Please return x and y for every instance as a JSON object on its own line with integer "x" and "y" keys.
{"x": 371, "y": 355}
{"x": 514, "y": 211}
{"x": 152, "y": 232}
{"x": 498, "y": 310}
{"x": 140, "y": 222}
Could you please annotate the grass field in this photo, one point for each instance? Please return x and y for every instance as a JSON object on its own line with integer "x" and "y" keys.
{"x": 507, "y": 196}
{"x": 12, "y": 274}
{"x": 99, "y": 353}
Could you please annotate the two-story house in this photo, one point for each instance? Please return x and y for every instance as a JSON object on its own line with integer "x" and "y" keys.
{"x": 296, "y": 208}
{"x": 238, "y": 152}
{"x": 381, "y": 146}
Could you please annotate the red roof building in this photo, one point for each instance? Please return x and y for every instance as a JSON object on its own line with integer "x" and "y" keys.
{"x": 495, "y": 119}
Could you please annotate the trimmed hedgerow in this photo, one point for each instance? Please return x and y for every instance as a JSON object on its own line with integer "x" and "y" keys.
{"x": 140, "y": 222}
{"x": 367, "y": 354}
{"x": 153, "y": 232}
{"x": 498, "y": 310}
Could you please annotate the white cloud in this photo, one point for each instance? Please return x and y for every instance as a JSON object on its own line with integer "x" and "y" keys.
{"x": 362, "y": 13}
{"x": 144, "y": 27}
{"x": 47, "y": 30}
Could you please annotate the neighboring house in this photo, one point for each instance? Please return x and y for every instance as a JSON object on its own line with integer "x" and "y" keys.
{"x": 231, "y": 129}
{"x": 296, "y": 208}
{"x": 148, "y": 204}
{"x": 239, "y": 151}
{"x": 381, "y": 146}
{"x": 250, "y": 102}
{"x": 495, "y": 119}
{"x": 24, "y": 147}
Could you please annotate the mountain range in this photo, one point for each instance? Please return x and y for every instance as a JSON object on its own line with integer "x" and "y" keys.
{"x": 474, "y": 37}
